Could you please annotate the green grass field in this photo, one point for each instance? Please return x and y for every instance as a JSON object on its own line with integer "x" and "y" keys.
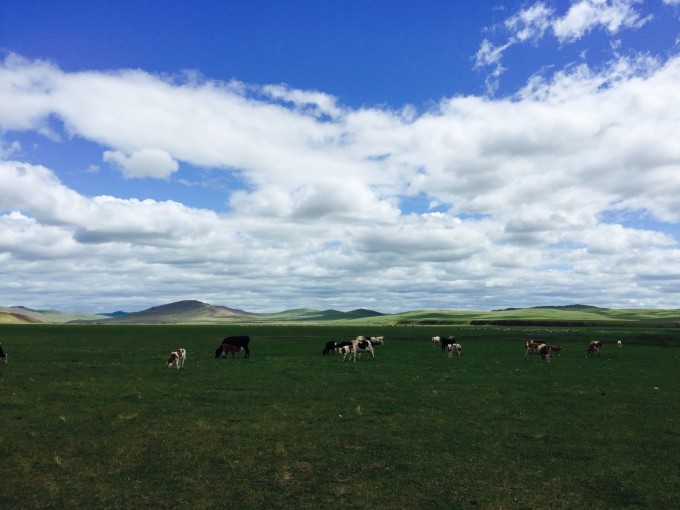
{"x": 91, "y": 418}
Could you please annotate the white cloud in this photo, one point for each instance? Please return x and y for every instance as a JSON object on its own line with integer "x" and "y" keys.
{"x": 585, "y": 15}
{"x": 9, "y": 149}
{"x": 533, "y": 23}
{"x": 522, "y": 182}
{"x": 143, "y": 163}
{"x": 488, "y": 54}
{"x": 318, "y": 103}
{"x": 530, "y": 24}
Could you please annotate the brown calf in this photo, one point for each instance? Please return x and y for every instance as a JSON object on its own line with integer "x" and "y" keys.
{"x": 233, "y": 349}
{"x": 594, "y": 346}
{"x": 537, "y": 348}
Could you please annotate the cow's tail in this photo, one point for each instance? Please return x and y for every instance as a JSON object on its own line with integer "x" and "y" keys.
{"x": 245, "y": 348}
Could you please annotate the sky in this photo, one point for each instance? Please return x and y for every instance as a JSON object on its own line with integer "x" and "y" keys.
{"x": 390, "y": 155}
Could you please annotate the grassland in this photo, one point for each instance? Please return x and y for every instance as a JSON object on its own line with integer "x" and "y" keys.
{"x": 91, "y": 418}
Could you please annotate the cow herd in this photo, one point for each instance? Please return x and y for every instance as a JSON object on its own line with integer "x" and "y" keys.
{"x": 366, "y": 344}
{"x": 354, "y": 347}
{"x": 544, "y": 350}
{"x": 448, "y": 344}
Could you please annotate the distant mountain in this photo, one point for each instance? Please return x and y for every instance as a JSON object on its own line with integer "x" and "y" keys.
{"x": 572, "y": 307}
{"x": 311, "y": 315}
{"x": 24, "y": 315}
{"x": 114, "y": 314}
{"x": 189, "y": 311}
{"x": 196, "y": 312}
{"x": 554, "y": 307}
{"x": 182, "y": 312}
{"x": 9, "y": 317}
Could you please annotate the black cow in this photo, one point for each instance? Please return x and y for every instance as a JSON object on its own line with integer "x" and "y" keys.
{"x": 445, "y": 341}
{"x": 329, "y": 347}
{"x": 3, "y": 355}
{"x": 235, "y": 341}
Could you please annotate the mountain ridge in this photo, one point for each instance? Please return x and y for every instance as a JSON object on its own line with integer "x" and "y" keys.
{"x": 197, "y": 312}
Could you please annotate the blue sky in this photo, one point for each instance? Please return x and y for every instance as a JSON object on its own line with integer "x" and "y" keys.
{"x": 387, "y": 155}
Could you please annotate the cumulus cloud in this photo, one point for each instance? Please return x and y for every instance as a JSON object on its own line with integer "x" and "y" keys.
{"x": 522, "y": 185}
{"x": 143, "y": 163}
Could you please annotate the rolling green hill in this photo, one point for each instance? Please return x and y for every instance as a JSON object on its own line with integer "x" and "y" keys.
{"x": 23, "y": 315}
{"x": 196, "y": 312}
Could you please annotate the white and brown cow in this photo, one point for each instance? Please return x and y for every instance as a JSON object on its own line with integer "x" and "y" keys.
{"x": 456, "y": 349}
{"x": 539, "y": 348}
{"x": 618, "y": 344}
{"x": 593, "y": 347}
{"x": 556, "y": 349}
{"x": 177, "y": 358}
{"x": 376, "y": 340}
{"x": 345, "y": 350}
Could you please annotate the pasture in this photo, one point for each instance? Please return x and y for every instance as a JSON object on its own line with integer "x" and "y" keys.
{"x": 90, "y": 417}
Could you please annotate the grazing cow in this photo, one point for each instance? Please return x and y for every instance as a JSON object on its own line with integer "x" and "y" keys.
{"x": 377, "y": 340}
{"x": 3, "y": 355}
{"x": 445, "y": 342}
{"x": 594, "y": 346}
{"x": 345, "y": 351}
{"x": 176, "y": 359}
{"x": 618, "y": 344}
{"x": 228, "y": 348}
{"x": 356, "y": 346}
{"x": 360, "y": 346}
{"x": 555, "y": 348}
{"x": 237, "y": 341}
{"x": 330, "y": 347}
{"x": 456, "y": 349}
{"x": 539, "y": 348}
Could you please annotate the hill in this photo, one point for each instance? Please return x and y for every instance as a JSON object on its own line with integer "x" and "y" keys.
{"x": 23, "y": 315}
{"x": 312, "y": 315}
{"x": 185, "y": 312}
{"x": 7, "y": 317}
{"x": 197, "y": 312}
